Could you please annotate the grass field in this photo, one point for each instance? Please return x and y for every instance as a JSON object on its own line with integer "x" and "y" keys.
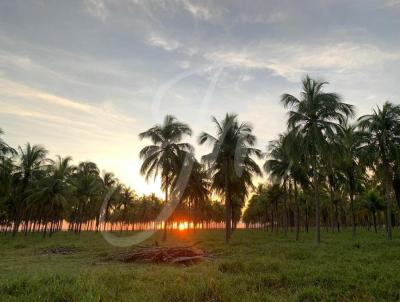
{"x": 256, "y": 266}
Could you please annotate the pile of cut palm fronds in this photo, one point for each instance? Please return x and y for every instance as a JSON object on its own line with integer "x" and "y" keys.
{"x": 186, "y": 255}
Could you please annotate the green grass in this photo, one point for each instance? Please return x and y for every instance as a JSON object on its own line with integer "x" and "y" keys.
{"x": 256, "y": 266}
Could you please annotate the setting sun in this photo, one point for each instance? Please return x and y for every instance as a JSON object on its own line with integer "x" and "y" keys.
{"x": 183, "y": 226}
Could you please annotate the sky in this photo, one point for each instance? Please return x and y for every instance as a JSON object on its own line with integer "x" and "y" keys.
{"x": 83, "y": 78}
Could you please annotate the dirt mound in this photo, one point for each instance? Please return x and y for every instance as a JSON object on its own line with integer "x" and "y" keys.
{"x": 185, "y": 255}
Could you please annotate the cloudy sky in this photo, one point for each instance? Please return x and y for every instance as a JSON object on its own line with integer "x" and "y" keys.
{"x": 83, "y": 78}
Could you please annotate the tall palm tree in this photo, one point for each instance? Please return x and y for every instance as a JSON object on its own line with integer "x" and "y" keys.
{"x": 8, "y": 181}
{"x": 384, "y": 126}
{"x": 109, "y": 184}
{"x": 197, "y": 191}
{"x": 278, "y": 166}
{"x": 88, "y": 187}
{"x": 334, "y": 175}
{"x": 230, "y": 162}
{"x": 9, "y": 185}
{"x": 162, "y": 157}
{"x": 52, "y": 192}
{"x": 32, "y": 167}
{"x": 351, "y": 143}
{"x": 127, "y": 200}
{"x": 287, "y": 166}
{"x": 314, "y": 117}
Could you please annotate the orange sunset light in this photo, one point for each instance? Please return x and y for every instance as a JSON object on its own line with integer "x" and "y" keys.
{"x": 183, "y": 226}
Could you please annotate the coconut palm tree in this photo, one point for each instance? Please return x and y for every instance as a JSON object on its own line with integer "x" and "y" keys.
{"x": 374, "y": 203}
{"x": 87, "y": 187}
{"x": 286, "y": 165}
{"x": 278, "y": 166}
{"x": 8, "y": 181}
{"x": 5, "y": 149}
{"x": 162, "y": 157}
{"x": 314, "y": 117}
{"x": 31, "y": 168}
{"x": 127, "y": 201}
{"x": 230, "y": 162}
{"x": 52, "y": 192}
{"x": 109, "y": 185}
{"x": 334, "y": 176}
{"x": 9, "y": 184}
{"x": 384, "y": 128}
{"x": 351, "y": 143}
{"x": 197, "y": 191}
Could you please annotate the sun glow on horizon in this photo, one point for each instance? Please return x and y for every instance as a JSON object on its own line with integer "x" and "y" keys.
{"x": 183, "y": 226}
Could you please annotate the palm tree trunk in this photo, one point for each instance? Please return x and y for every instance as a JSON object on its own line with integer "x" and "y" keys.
{"x": 374, "y": 219}
{"x": 45, "y": 230}
{"x": 333, "y": 215}
{"x": 317, "y": 204}
{"x": 353, "y": 216}
{"x": 387, "y": 181}
{"x": 388, "y": 202}
{"x": 164, "y": 238}
{"x": 228, "y": 208}
{"x": 297, "y": 212}
{"x": 272, "y": 220}
{"x": 285, "y": 214}
{"x": 337, "y": 218}
{"x": 306, "y": 222}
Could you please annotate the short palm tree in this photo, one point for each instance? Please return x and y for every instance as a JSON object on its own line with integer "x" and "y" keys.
{"x": 230, "y": 162}
{"x": 384, "y": 127}
{"x": 374, "y": 203}
{"x": 162, "y": 157}
{"x": 314, "y": 117}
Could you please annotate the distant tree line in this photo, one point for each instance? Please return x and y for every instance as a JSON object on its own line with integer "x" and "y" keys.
{"x": 38, "y": 194}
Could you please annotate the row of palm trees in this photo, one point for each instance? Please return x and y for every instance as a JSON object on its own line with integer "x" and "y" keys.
{"x": 351, "y": 167}
{"x": 226, "y": 171}
{"x": 41, "y": 194}
{"x": 326, "y": 162}
{"x": 323, "y": 152}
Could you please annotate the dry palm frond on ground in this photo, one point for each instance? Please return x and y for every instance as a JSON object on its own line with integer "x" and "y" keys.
{"x": 186, "y": 255}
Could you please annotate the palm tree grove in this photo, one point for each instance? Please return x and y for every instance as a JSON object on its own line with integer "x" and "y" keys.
{"x": 199, "y": 151}
{"x": 328, "y": 169}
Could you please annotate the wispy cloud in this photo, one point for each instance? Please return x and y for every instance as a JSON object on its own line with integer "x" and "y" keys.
{"x": 164, "y": 43}
{"x": 291, "y": 61}
{"x": 97, "y": 8}
{"x": 11, "y": 88}
{"x": 199, "y": 10}
{"x": 104, "y": 112}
